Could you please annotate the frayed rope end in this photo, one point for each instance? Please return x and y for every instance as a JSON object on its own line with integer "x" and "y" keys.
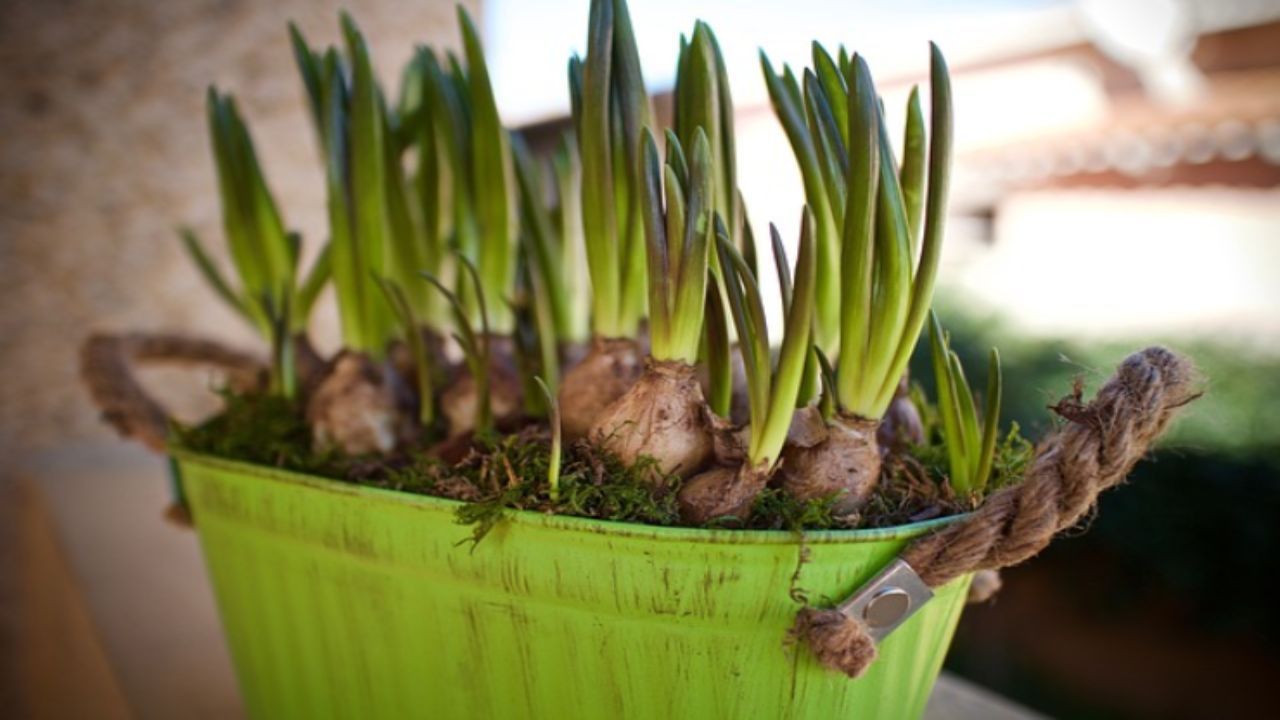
{"x": 985, "y": 585}
{"x": 838, "y": 641}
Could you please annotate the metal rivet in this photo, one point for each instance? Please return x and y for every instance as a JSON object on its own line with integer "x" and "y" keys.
{"x": 886, "y": 607}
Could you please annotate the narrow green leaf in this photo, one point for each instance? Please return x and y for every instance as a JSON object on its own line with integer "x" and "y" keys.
{"x": 283, "y": 378}
{"x": 948, "y": 408}
{"x": 719, "y": 361}
{"x": 236, "y": 206}
{"x": 537, "y": 222}
{"x": 209, "y": 269}
{"x": 656, "y": 243}
{"x": 407, "y": 241}
{"x": 691, "y": 281}
{"x": 968, "y": 412}
{"x": 312, "y": 75}
{"x": 350, "y": 272}
{"x": 940, "y": 129}
{"x": 785, "y": 96}
{"x": 676, "y": 159}
{"x": 912, "y": 173}
{"x": 892, "y": 284}
{"x": 990, "y": 421}
{"x": 553, "y": 460}
{"x": 630, "y": 229}
{"x": 575, "y": 94}
{"x": 368, "y": 186}
{"x": 833, "y": 160}
{"x": 674, "y": 192}
{"x": 475, "y": 346}
{"x": 727, "y": 177}
{"x": 410, "y": 111}
{"x": 597, "y": 173}
{"x": 699, "y": 92}
{"x": 748, "y": 237}
{"x": 834, "y": 89}
{"x": 810, "y": 381}
{"x": 768, "y": 442}
{"x": 411, "y": 332}
{"x": 782, "y": 266}
{"x": 858, "y": 258}
{"x": 493, "y": 185}
{"x": 314, "y": 282}
{"x": 747, "y": 310}
{"x": 572, "y": 251}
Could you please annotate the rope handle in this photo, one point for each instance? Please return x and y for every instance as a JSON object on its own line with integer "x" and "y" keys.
{"x": 1095, "y": 450}
{"x": 108, "y": 365}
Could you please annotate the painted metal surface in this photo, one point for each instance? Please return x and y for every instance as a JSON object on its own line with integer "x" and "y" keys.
{"x": 351, "y": 602}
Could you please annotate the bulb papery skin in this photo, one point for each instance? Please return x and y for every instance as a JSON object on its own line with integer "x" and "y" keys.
{"x": 662, "y": 416}
{"x": 460, "y": 400}
{"x": 355, "y": 407}
{"x": 845, "y": 462}
{"x": 722, "y": 493}
{"x": 610, "y": 368}
{"x": 311, "y": 366}
{"x": 901, "y": 426}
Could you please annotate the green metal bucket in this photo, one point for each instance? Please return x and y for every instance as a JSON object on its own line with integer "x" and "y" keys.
{"x": 354, "y": 602}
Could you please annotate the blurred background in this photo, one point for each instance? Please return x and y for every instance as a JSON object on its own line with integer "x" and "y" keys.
{"x": 1117, "y": 184}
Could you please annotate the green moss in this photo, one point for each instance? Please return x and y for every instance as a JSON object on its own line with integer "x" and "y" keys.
{"x": 777, "y": 510}
{"x": 509, "y": 473}
{"x": 503, "y": 473}
{"x": 261, "y": 429}
{"x": 1012, "y": 454}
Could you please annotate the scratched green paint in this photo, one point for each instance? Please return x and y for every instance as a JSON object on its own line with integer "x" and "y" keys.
{"x": 352, "y": 602}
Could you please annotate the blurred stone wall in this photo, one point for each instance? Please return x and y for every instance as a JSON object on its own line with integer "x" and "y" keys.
{"x": 104, "y": 150}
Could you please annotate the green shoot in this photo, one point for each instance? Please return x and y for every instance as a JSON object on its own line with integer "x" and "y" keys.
{"x": 492, "y": 185}
{"x": 610, "y": 108}
{"x": 970, "y": 446}
{"x": 209, "y": 269}
{"x": 408, "y": 321}
{"x": 784, "y": 94}
{"x": 810, "y": 382}
{"x": 366, "y": 185}
{"x": 475, "y": 346}
{"x": 872, "y": 218}
{"x": 553, "y": 462}
{"x": 537, "y": 348}
{"x": 935, "y": 215}
{"x": 912, "y": 173}
{"x": 384, "y": 224}
{"x": 716, "y": 355}
{"x": 540, "y": 240}
{"x": 884, "y": 293}
{"x": 283, "y": 380}
{"x": 259, "y": 245}
{"x": 772, "y": 392}
{"x": 265, "y": 257}
{"x": 431, "y": 132}
{"x": 678, "y": 238}
{"x": 313, "y": 284}
{"x": 703, "y": 101}
{"x": 574, "y": 325}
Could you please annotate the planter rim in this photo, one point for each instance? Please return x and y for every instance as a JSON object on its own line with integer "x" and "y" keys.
{"x": 568, "y": 522}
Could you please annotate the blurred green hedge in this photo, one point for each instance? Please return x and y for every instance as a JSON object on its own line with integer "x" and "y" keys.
{"x": 1202, "y": 513}
{"x": 1239, "y": 414}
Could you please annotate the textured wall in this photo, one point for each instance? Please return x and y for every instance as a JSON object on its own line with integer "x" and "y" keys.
{"x": 104, "y": 151}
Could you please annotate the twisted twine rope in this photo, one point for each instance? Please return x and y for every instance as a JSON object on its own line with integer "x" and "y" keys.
{"x": 107, "y": 362}
{"x": 1094, "y": 451}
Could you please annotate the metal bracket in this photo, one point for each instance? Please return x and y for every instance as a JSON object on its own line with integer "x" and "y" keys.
{"x": 888, "y": 599}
